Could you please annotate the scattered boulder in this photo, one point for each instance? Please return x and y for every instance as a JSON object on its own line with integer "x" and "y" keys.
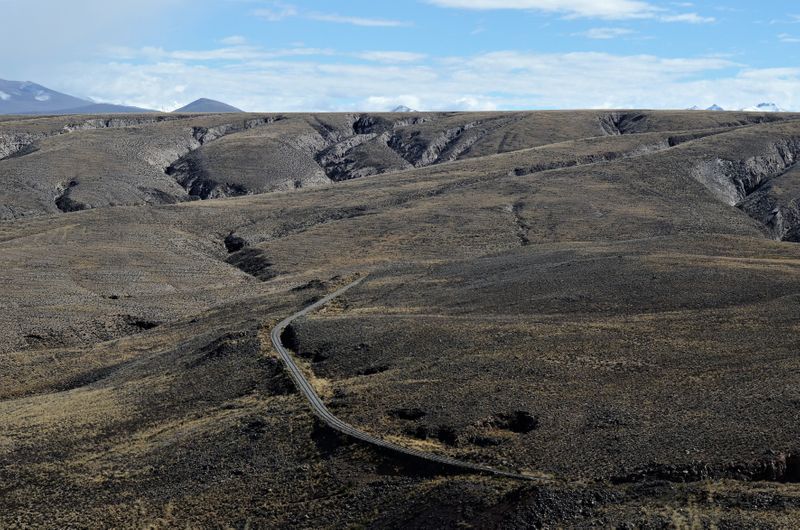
{"x": 519, "y": 421}
{"x": 234, "y": 243}
{"x": 447, "y": 435}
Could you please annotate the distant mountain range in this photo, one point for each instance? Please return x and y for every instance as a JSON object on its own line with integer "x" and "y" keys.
{"x": 207, "y": 105}
{"x": 761, "y": 107}
{"x": 25, "y": 97}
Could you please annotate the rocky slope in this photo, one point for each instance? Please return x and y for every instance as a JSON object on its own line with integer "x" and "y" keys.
{"x": 167, "y": 158}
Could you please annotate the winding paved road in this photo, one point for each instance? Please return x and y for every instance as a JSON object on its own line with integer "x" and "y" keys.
{"x": 332, "y": 421}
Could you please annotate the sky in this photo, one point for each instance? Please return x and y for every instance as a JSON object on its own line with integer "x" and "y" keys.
{"x": 372, "y": 55}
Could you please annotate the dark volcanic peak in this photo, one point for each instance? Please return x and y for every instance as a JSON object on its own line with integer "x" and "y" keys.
{"x": 207, "y": 105}
{"x": 713, "y": 107}
{"x": 24, "y": 97}
{"x": 403, "y": 108}
{"x": 100, "y": 108}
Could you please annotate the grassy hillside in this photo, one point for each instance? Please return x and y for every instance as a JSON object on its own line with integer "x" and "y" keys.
{"x": 607, "y": 300}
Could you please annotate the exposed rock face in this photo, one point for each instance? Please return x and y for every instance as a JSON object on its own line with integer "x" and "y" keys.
{"x": 65, "y": 203}
{"x": 20, "y": 143}
{"x": 617, "y": 123}
{"x": 776, "y": 204}
{"x": 114, "y": 123}
{"x": 733, "y": 180}
{"x": 766, "y": 186}
{"x": 11, "y": 144}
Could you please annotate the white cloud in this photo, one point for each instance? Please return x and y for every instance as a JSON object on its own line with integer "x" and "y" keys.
{"x": 604, "y": 33}
{"x": 234, "y": 40}
{"x": 230, "y": 54}
{"x": 790, "y": 39}
{"x": 603, "y": 9}
{"x": 691, "y": 18}
{"x": 357, "y": 21}
{"x": 391, "y": 56}
{"x": 618, "y": 9}
{"x": 276, "y": 11}
{"x": 388, "y": 103}
{"x": 497, "y": 80}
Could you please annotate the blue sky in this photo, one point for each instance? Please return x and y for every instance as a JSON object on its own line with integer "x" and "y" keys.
{"x": 294, "y": 55}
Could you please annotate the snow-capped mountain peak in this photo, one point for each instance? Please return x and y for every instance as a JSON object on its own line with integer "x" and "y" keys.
{"x": 25, "y": 96}
{"x": 713, "y": 107}
{"x": 403, "y": 108}
{"x": 761, "y": 107}
{"x": 764, "y": 107}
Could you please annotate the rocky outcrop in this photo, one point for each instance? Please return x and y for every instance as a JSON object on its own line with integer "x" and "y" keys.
{"x": 782, "y": 220}
{"x": 22, "y": 143}
{"x": 208, "y": 134}
{"x": 618, "y": 123}
{"x": 372, "y": 149}
{"x": 334, "y": 159}
{"x": 764, "y": 186}
{"x": 16, "y": 144}
{"x": 189, "y": 171}
{"x": 420, "y": 151}
{"x": 192, "y": 176}
{"x": 113, "y": 123}
{"x": 733, "y": 180}
{"x": 641, "y": 149}
{"x": 353, "y": 146}
{"x": 776, "y": 204}
{"x": 65, "y": 203}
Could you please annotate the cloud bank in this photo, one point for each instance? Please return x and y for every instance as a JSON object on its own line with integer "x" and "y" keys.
{"x": 304, "y": 79}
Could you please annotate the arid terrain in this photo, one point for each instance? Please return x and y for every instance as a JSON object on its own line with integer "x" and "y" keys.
{"x": 608, "y": 301}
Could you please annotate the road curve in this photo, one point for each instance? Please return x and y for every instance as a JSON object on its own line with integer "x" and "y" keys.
{"x": 332, "y": 421}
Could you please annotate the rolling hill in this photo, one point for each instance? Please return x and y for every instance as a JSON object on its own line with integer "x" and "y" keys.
{"x": 604, "y": 300}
